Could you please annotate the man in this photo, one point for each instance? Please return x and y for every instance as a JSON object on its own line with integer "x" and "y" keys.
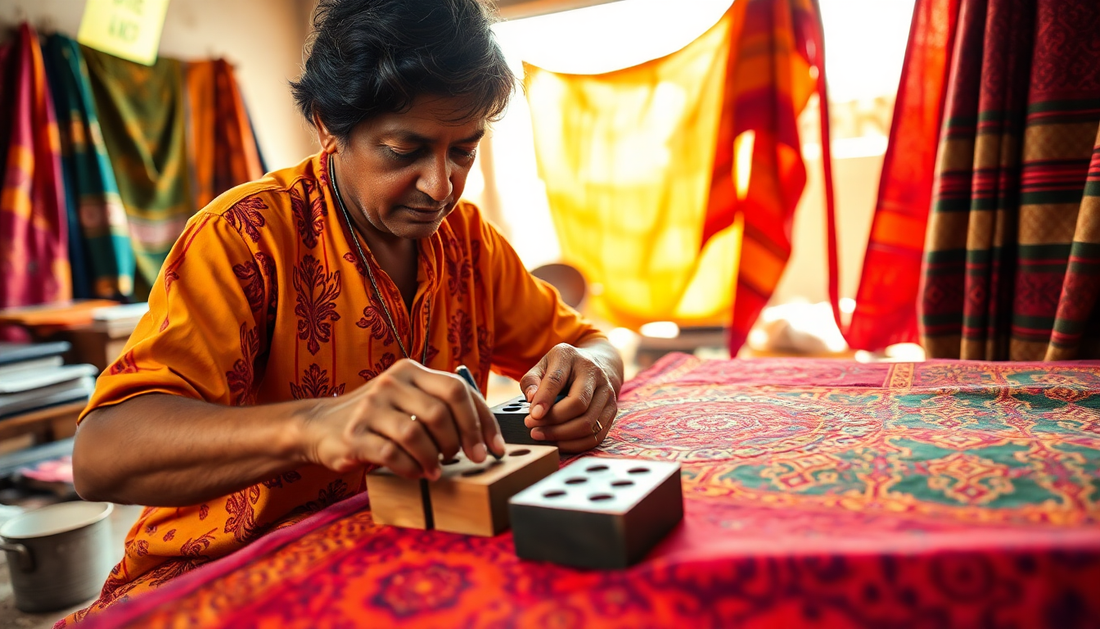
{"x": 306, "y": 326}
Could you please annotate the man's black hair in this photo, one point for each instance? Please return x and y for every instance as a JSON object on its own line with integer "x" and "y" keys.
{"x": 371, "y": 57}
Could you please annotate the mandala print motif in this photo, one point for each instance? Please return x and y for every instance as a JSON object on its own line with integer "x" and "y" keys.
{"x": 309, "y": 216}
{"x": 246, "y": 217}
{"x": 415, "y": 589}
{"x": 240, "y": 378}
{"x": 315, "y": 384}
{"x": 316, "y": 307}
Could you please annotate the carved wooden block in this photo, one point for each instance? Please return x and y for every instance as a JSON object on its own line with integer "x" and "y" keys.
{"x": 398, "y": 501}
{"x": 470, "y": 498}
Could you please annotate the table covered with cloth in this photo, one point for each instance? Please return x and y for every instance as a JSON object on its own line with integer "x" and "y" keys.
{"x": 817, "y": 493}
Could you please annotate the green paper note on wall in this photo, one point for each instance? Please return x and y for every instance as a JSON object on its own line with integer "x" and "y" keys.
{"x": 125, "y": 28}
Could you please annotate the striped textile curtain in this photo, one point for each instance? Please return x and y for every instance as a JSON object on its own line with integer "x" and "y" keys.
{"x": 1012, "y": 255}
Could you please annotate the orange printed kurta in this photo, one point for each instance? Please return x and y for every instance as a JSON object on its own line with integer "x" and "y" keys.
{"x": 264, "y": 299}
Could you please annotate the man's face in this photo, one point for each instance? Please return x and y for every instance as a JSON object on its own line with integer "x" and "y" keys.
{"x": 404, "y": 172}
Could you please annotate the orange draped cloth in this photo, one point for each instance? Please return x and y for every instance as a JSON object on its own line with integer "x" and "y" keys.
{"x": 263, "y": 299}
{"x": 673, "y": 183}
{"x": 221, "y": 146}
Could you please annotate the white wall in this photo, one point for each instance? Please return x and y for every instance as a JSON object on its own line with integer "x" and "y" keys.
{"x": 855, "y": 186}
{"x": 262, "y": 39}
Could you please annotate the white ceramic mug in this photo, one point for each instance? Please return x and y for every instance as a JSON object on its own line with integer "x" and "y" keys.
{"x": 58, "y": 555}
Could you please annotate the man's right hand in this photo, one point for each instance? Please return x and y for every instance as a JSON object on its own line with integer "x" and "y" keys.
{"x": 403, "y": 419}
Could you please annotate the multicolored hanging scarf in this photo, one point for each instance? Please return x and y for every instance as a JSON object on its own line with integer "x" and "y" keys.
{"x": 773, "y": 71}
{"x": 34, "y": 258}
{"x": 99, "y": 235}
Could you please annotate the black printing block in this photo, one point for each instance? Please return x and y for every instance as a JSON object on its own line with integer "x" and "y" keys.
{"x": 510, "y": 416}
{"x": 597, "y": 512}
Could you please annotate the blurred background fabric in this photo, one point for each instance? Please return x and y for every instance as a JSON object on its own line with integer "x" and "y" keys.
{"x": 673, "y": 183}
{"x": 34, "y": 251}
{"x": 97, "y": 193}
{"x": 99, "y": 236}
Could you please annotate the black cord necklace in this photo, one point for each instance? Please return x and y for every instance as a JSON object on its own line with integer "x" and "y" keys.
{"x": 370, "y": 273}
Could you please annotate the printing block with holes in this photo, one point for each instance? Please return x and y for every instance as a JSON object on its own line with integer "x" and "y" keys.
{"x": 598, "y": 512}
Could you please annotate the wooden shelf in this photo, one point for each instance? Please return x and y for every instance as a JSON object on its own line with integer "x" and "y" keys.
{"x": 48, "y": 424}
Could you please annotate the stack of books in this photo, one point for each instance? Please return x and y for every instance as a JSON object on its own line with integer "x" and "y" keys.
{"x": 118, "y": 321}
{"x": 33, "y": 377}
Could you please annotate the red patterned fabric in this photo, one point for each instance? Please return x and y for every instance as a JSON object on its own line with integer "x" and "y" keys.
{"x": 886, "y": 303}
{"x": 817, "y": 494}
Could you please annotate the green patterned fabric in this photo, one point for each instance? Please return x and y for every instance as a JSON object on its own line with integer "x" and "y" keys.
{"x": 143, "y": 116}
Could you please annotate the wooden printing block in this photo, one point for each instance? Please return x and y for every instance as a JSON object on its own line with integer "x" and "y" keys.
{"x": 472, "y": 498}
{"x": 468, "y": 498}
{"x": 398, "y": 501}
{"x": 598, "y": 512}
{"x": 510, "y": 416}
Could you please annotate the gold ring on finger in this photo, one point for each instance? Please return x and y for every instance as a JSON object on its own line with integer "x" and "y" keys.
{"x": 597, "y": 428}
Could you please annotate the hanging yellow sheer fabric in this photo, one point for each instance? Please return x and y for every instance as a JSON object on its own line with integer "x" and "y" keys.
{"x": 627, "y": 158}
{"x": 673, "y": 184}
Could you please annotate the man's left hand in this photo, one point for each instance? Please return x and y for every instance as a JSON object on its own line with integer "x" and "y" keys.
{"x": 580, "y": 421}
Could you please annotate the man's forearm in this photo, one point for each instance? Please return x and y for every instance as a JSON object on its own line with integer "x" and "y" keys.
{"x": 165, "y": 450}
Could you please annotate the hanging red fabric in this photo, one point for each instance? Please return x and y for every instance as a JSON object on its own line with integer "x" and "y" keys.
{"x": 769, "y": 82}
{"x": 886, "y": 302}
